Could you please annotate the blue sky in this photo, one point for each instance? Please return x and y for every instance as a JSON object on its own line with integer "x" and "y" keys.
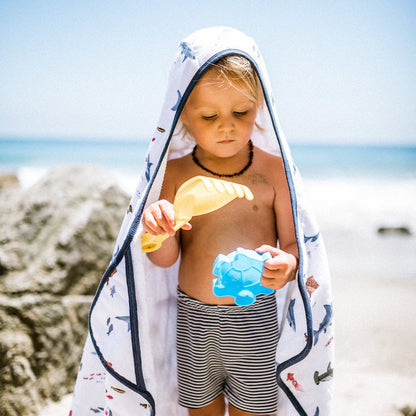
{"x": 342, "y": 71}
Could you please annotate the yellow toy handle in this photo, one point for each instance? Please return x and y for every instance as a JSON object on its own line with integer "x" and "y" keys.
{"x": 152, "y": 242}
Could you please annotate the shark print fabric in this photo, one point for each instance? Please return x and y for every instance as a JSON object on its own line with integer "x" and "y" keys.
{"x": 132, "y": 322}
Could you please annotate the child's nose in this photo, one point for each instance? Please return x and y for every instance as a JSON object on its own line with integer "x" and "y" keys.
{"x": 227, "y": 124}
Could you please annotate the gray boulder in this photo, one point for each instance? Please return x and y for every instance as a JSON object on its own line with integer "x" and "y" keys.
{"x": 56, "y": 240}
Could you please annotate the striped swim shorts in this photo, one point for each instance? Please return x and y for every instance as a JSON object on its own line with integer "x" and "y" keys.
{"x": 229, "y": 349}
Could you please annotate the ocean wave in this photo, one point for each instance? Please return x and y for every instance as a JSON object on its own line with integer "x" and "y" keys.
{"x": 362, "y": 205}
{"x": 29, "y": 175}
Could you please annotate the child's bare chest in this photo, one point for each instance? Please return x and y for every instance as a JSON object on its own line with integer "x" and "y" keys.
{"x": 241, "y": 222}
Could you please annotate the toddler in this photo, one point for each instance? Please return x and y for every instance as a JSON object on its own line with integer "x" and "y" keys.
{"x": 223, "y": 349}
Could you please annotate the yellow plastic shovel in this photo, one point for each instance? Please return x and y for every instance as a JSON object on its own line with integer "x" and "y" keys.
{"x": 199, "y": 195}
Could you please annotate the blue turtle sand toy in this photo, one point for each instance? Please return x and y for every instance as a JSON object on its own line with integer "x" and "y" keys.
{"x": 239, "y": 275}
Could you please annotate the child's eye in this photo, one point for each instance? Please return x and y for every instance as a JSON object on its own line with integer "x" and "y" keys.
{"x": 240, "y": 113}
{"x": 209, "y": 117}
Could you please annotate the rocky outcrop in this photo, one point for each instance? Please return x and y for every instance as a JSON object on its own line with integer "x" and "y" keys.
{"x": 400, "y": 230}
{"x": 56, "y": 240}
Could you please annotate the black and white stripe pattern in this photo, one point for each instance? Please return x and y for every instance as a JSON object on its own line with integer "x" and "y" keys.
{"x": 230, "y": 349}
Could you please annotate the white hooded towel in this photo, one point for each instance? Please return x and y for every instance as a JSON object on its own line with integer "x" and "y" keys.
{"x": 129, "y": 361}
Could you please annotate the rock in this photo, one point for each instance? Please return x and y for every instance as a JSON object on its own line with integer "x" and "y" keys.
{"x": 41, "y": 338}
{"x": 408, "y": 411}
{"x": 56, "y": 240}
{"x": 60, "y": 232}
{"x": 401, "y": 230}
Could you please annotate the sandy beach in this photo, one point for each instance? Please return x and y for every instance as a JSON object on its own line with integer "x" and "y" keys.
{"x": 376, "y": 344}
{"x": 375, "y": 368}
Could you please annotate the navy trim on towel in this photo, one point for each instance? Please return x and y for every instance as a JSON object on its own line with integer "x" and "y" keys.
{"x": 134, "y": 323}
{"x": 308, "y": 312}
{"x": 136, "y": 221}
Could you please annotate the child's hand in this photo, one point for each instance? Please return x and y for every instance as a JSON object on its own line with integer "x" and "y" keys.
{"x": 280, "y": 269}
{"x": 159, "y": 218}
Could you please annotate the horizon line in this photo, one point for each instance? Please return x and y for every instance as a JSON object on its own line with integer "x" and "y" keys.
{"x": 294, "y": 141}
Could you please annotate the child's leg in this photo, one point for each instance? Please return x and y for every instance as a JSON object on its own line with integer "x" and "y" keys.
{"x": 233, "y": 411}
{"x": 248, "y": 352}
{"x": 201, "y": 375}
{"x": 215, "y": 408}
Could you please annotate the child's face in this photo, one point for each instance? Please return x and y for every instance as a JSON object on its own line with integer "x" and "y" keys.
{"x": 218, "y": 116}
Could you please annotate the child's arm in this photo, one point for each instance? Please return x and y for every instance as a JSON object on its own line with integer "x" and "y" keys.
{"x": 159, "y": 218}
{"x": 282, "y": 267}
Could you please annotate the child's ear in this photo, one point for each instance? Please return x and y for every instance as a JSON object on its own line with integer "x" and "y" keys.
{"x": 184, "y": 120}
{"x": 184, "y": 117}
{"x": 183, "y": 125}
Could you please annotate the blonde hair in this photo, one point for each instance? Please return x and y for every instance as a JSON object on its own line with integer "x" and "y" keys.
{"x": 239, "y": 72}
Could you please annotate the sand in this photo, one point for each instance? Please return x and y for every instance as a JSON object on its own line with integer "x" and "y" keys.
{"x": 375, "y": 346}
{"x": 375, "y": 313}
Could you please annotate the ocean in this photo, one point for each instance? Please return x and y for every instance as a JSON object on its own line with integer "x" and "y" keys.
{"x": 315, "y": 161}
{"x": 354, "y": 190}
